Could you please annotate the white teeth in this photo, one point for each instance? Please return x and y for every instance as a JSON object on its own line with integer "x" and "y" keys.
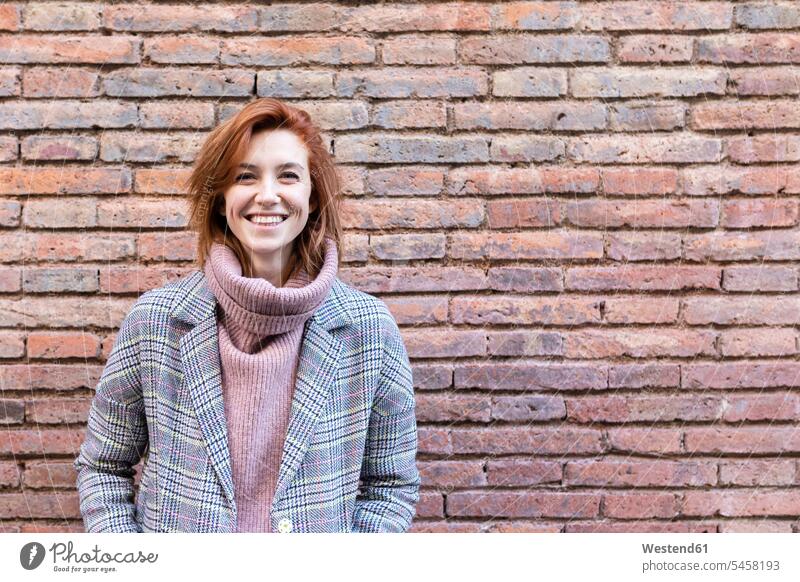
{"x": 267, "y": 219}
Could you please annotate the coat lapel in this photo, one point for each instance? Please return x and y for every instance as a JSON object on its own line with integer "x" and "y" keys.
{"x": 316, "y": 375}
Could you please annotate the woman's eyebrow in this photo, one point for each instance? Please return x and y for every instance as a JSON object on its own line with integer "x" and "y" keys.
{"x": 284, "y": 165}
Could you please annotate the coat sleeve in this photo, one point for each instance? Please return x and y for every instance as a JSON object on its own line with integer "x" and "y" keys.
{"x": 116, "y": 436}
{"x": 390, "y": 480}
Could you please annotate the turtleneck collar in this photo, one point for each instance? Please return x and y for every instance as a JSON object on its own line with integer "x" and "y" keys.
{"x": 253, "y": 308}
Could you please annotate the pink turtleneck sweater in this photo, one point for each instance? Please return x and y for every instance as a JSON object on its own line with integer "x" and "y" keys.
{"x": 260, "y": 329}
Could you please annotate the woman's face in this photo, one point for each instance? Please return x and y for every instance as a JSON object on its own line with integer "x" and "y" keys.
{"x": 273, "y": 179}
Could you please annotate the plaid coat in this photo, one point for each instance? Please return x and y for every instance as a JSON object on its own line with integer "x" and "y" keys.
{"x": 348, "y": 460}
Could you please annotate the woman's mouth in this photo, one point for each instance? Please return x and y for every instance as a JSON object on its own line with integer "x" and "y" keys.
{"x": 266, "y": 222}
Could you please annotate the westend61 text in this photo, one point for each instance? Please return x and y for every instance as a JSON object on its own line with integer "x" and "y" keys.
{"x": 65, "y": 553}
{"x": 669, "y": 549}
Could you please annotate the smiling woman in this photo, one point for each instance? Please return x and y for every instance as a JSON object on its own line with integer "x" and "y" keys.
{"x": 267, "y": 394}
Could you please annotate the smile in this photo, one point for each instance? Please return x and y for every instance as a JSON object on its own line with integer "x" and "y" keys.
{"x": 266, "y": 223}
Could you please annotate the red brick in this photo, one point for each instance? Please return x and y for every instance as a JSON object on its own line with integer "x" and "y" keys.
{"x": 538, "y": 180}
{"x": 522, "y": 472}
{"x": 43, "y": 441}
{"x": 383, "y": 215}
{"x": 411, "y": 17}
{"x": 639, "y": 527}
{"x": 640, "y": 505}
{"x": 760, "y": 278}
{"x": 416, "y": 114}
{"x": 643, "y": 246}
{"x": 442, "y": 343}
{"x": 49, "y": 475}
{"x": 531, "y": 376}
{"x": 757, "y": 472}
{"x": 63, "y": 345}
{"x": 652, "y": 375}
{"x": 418, "y": 309}
{"x": 521, "y": 440}
{"x": 430, "y": 504}
{"x": 769, "y": 407}
{"x": 64, "y": 180}
{"x": 640, "y": 473}
{"x": 758, "y": 49}
{"x": 415, "y": 50}
{"x": 736, "y": 114}
{"x": 644, "y": 278}
{"x": 627, "y": 310}
{"x": 502, "y": 49}
{"x": 552, "y": 244}
{"x": 742, "y": 310}
{"x": 622, "y": 409}
{"x": 731, "y": 503}
{"x": 646, "y": 343}
{"x": 741, "y": 375}
{"x": 60, "y": 82}
{"x": 66, "y": 49}
{"x": 743, "y": 439}
{"x": 46, "y": 411}
{"x": 523, "y": 504}
{"x": 522, "y": 213}
{"x": 528, "y": 408}
{"x": 62, "y": 505}
{"x": 758, "y": 342}
{"x": 667, "y": 16}
{"x": 450, "y": 474}
{"x": 759, "y": 212}
{"x": 10, "y": 474}
{"x": 493, "y": 309}
{"x": 453, "y": 408}
{"x": 525, "y": 343}
{"x": 645, "y": 440}
{"x": 654, "y": 48}
{"x": 400, "y": 279}
{"x": 180, "y": 18}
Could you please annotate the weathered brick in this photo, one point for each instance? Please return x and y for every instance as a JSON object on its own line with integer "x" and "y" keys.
{"x": 529, "y": 82}
{"x": 184, "y": 82}
{"x": 413, "y": 82}
{"x": 59, "y": 148}
{"x": 481, "y": 310}
{"x": 760, "y": 278}
{"x": 404, "y": 114}
{"x": 553, "y": 244}
{"x": 758, "y": 49}
{"x": 294, "y": 84}
{"x": 67, "y": 49}
{"x": 761, "y": 15}
{"x": 529, "y": 376}
{"x": 622, "y": 409}
{"x": 68, "y": 115}
{"x": 653, "y": 48}
{"x": 644, "y": 149}
{"x": 501, "y": 49}
{"x": 741, "y": 375}
{"x": 640, "y": 473}
{"x": 533, "y": 116}
{"x": 182, "y": 50}
{"x": 661, "y": 278}
{"x": 701, "y": 213}
{"x": 525, "y": 343}
{"x": 385, "y": 149}
{"x": 667, "y": 82}
{"x": 668, "y": 16}
{"x": 649, "y": 117}
{"x": 61, "y": 16}
{"x": 175, "y": 18}
{"x": 523, "y": 504}
{"x": 417, "y": 50}
{"x": 60, "y": 82}
{"x": 421, "y": 214}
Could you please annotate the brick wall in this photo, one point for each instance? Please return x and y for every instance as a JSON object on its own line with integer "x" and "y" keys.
{"x": 584, "y": 216}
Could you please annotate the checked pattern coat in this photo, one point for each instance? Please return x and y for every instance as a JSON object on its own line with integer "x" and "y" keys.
{"x": 349, "y": 458}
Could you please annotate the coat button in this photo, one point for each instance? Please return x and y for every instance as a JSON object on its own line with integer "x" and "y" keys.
{"x": 285, "y": 525}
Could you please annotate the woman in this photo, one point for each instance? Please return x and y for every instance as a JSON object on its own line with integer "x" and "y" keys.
{"x": 264, "y": 393}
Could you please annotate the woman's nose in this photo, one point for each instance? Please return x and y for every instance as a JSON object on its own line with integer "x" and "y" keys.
{"x": 268, "y": 190}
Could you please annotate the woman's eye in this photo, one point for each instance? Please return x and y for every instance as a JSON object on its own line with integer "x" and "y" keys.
{"x": 292, "y": 174}
{"x": 245, "y": 176}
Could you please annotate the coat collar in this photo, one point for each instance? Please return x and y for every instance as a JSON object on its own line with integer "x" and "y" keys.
{"x": 316, "y": 376}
